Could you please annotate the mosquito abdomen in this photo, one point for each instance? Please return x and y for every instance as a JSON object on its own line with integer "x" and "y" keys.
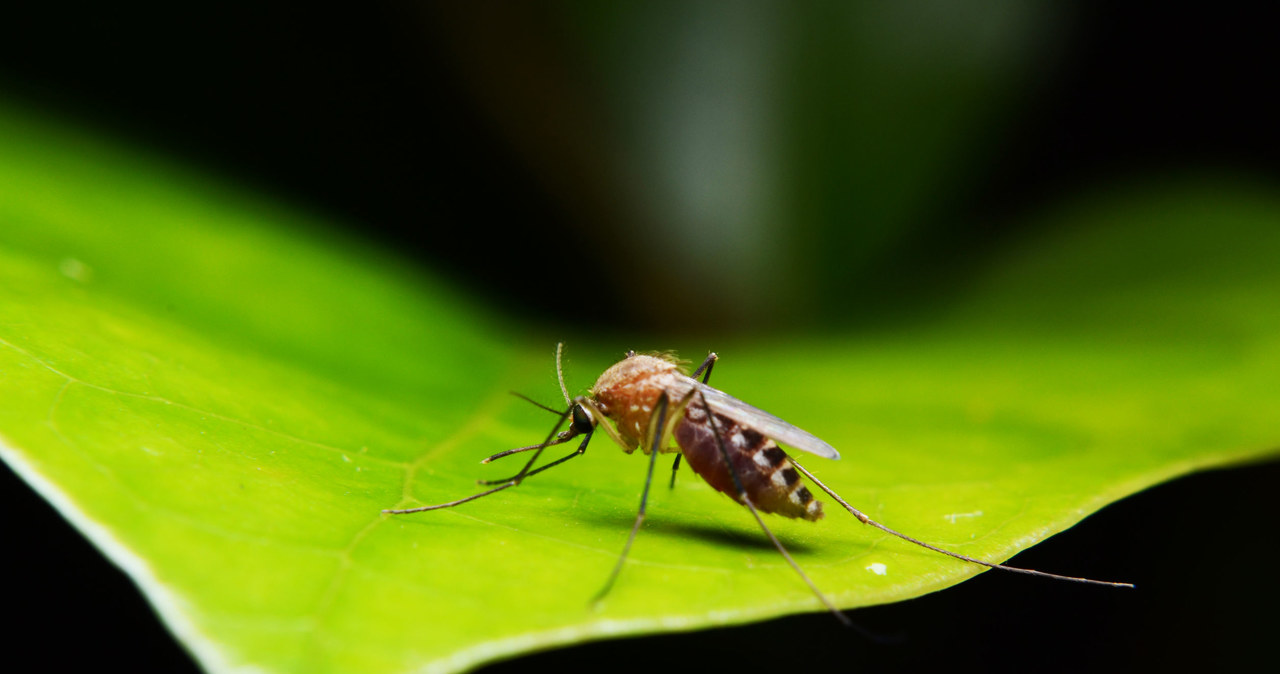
{"x": 767, "y": 476}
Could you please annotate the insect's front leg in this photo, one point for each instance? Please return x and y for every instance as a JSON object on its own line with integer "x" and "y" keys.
{"x": 660, "y": 417}
{"x": 513, "y": 480}
{"x": 746, "y": 500}
{"x": 705, "y": 370}
{"x": 582, "y": 449}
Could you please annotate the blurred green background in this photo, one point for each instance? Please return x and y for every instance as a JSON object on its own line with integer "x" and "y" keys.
{"x": 718, "y": 170}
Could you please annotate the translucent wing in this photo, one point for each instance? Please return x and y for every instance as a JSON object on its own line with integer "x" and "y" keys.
{"x": 753, "y": 417}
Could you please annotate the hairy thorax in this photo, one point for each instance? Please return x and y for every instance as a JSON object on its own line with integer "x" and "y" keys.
{"x": 628, "y": 392}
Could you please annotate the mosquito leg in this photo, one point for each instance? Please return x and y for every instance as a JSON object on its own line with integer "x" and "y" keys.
{"x": 582, "y": 449}
{"x": 707, "y": 364}
{"x": 513, "y": 481}
{"x": 867, "y": 520}
{"x": 562, "y": 438}
{"x": 660, "y": 410}
{"x": 509, "y": 482}
{"x": 705, "y": 370}
{"x": 746, "y": 500}
{"x": 450, "y": 504}
{"x": 519, "y": 477}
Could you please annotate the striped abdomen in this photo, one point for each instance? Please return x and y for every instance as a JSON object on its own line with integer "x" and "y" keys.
{"x": 771, "y": 482}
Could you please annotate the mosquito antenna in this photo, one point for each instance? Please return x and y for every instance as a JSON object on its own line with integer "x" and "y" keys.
{"x": 742, "y": 494}
{"x": 867, "y": 520}
{"x": 560, "y": 374}
{"x": 535, "y": 403}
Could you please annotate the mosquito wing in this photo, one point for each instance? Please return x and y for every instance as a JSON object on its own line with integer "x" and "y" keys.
{"x": 753, "y": 417}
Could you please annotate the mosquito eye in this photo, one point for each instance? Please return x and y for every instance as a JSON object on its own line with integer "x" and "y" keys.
{"x": 582, "y": 421}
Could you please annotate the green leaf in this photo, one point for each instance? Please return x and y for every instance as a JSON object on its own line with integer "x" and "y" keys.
{"x": 223, "y": 394}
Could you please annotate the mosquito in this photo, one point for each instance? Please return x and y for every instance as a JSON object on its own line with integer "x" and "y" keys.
{"x": 649, "y": 401}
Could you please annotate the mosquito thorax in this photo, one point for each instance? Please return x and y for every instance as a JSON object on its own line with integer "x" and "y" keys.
{"x": 628, "y": 391}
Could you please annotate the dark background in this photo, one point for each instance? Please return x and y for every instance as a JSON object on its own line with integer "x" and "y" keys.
{"x": 397, "y": 121}
{"x": 370, "y": 115}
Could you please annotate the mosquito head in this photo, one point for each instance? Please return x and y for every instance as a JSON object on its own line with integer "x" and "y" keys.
{"x": 583, "y": 420}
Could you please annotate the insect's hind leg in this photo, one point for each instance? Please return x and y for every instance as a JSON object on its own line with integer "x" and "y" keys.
{"x": 746, "y": 500}
{"x": 707, "y": 364}
{"x": 862, "y": 517}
